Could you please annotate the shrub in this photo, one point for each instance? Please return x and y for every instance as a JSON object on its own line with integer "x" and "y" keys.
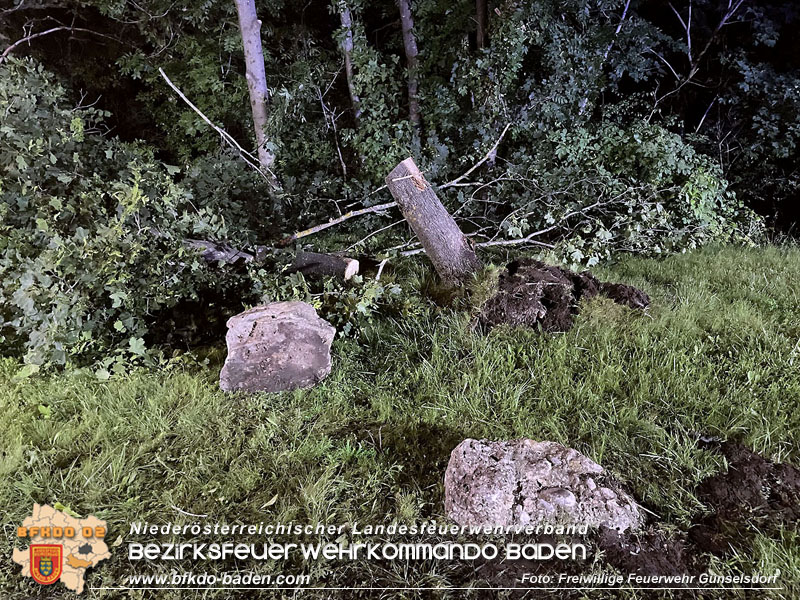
{"x": 350, "y": 306}
{"x": 596, "y": 190}
{"x": 92, "y": 229}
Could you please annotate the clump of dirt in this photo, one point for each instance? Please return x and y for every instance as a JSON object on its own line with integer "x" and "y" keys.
{"x": 650, "y": 552}
{"x": 755, "y": 494}
{"x": 534, "y": 294}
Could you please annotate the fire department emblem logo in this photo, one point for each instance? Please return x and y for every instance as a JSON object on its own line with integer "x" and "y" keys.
{"x": 46, "y": 562}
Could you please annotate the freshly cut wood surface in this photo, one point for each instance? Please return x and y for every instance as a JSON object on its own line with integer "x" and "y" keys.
{"x": 448, "y": 248}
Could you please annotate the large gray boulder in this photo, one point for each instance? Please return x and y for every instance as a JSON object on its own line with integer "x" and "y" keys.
{"x": 277, "y": 347}
{"x": 524, "y": 482}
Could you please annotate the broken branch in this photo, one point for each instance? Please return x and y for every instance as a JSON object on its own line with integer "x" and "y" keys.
{"x": 491, "y": 151}
{"x": 316, "y": 264}
{"x": 348, "y": 215}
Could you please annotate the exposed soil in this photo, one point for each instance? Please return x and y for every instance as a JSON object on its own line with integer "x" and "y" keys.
{"x": 534, "y": 294}
{"x": 650, "y": 552}
{"x": 754, "y": 494}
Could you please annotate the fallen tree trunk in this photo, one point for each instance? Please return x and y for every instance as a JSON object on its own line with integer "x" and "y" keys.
{"x": 313, "y": 263}
{"x": 448, "y": 248}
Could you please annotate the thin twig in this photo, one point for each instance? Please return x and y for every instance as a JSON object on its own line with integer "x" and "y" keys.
{"x": 705, "y": 114}
{"x": 525, "y": 240}
{"x": 666, "y": 62}
{"x": 383, "y": 264}
{"x": 328, "y": 113}
{"x": 376, "y": 232}
{"x": 13, "y": 8}
{"x": 406, "y": 244}
{"x": 33, "y": 36}
{"x": 348, "y": 215}
{"x": 618, "y": 29}
{"x": 479, "y": 163}
{"x": 528, "y": 239}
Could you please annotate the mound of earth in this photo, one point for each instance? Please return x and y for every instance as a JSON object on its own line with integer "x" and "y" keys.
{"x": 754, "y": 495}
{"x": 651, "y": 552}
{"x": 534, "y": 294}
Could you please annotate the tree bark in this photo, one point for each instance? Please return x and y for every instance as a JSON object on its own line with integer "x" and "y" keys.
{"x": 346, "y": 17}
{"x": 313, "y": 263}
{"x": 448, "y": 248}
{"x": 482, "y": 19}
{"x": 250, "y": 27}
{"x": 410, "y": 44}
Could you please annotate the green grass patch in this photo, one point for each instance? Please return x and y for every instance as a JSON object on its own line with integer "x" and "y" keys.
{"x": 718, "y": 353}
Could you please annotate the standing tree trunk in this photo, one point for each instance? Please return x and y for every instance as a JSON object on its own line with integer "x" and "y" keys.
{"x": 482, "y": 19}
{"x": 410, "y": 44}
{"x": 347, "y": 48}
{"x": 447, "y": 247}
{"x": 250, "y": 26}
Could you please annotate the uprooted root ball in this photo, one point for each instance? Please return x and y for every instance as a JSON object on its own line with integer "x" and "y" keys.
{"x": 534, "y": 294}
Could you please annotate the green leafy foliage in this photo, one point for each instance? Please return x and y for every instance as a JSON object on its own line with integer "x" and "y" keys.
{"x": 92, "y": 229}
{"x": 382, "y": 136}
{"x": 620, "y": 138}
{"x": 351, "y": 306}
{"x": 612, "y": 188}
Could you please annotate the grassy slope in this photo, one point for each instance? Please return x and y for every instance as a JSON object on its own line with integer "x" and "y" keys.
{"x": 718, "y": 353}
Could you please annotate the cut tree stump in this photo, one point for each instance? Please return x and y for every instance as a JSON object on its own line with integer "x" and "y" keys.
{"x": 448, "y": 248}
{"x": 316, "y": 264}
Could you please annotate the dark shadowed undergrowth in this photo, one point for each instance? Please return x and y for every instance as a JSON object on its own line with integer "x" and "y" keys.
{"x": 717, "y": 354}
